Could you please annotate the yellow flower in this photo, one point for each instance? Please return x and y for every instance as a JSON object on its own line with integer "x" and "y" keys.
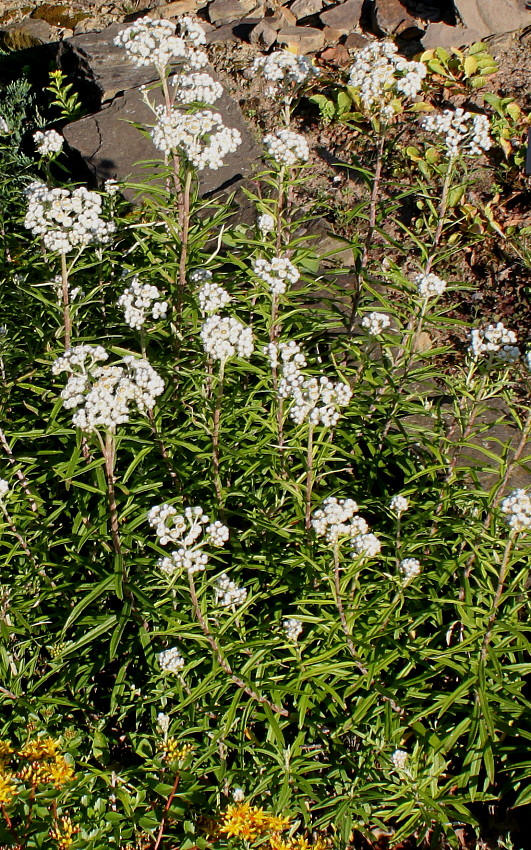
{"x": 41, "y": 748}
{"x": 242, "y": 820}
{"x": 59, "y": 772}
{"x": 8, "y": 789}
{"x": 63, "y": 832}
{"x": 6, "y": 750}
{"x": 174, "y": 752}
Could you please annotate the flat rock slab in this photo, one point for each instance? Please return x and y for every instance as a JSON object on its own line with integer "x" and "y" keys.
{"x": 112, "y": 147}
{"x": 344, "y": 17}
{"x": 444, "y": 35}
{"x": 391, "y": 17}
{"x": 493, "y": 16}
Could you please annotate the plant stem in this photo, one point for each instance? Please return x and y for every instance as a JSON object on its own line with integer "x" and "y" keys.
{"x": 18, "y": 472}
{"x": 223, "y": 663}
{"x": 215, "y": 433}
{"x": 341, "y": 610}
{"x": 498, "y": 595}
{"x": 169, "y": 801}
{"x": 309, "y": 481}
{"x": 185, "y": 229}
{"x": 110, "y": 458}
{"x": 66, "y": 303}
{"x": 373, "y": 207}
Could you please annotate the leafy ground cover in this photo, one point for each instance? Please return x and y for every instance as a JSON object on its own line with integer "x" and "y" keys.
{"x": 254, "y": 593}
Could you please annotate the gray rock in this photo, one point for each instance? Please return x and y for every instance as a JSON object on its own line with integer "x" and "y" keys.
{"x": 355, "y": 41}
{"x": 180, "y": 7}
{"x": 222, "y": 12}
{"x": 493, "y": 16}
{"x": 112, "y": 147}
{"x": 304, "y": 8}
{"x": 264, "y": 34}
{"x": 344, "y": 17}
{"x": 303, "y": 39}
{"x": 26, "y": 33}
{"x": 390, "y": 17}
{"x": 99, "y": 69}
{"x": 236, "y": 32}
{"x": 443, "y": 35}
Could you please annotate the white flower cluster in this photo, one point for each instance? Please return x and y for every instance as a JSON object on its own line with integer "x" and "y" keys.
{"x": 224, "y": 337}
{"x": 429, "y": 285}
{"x": 163, "y": 723}
{"x": 171, "y": 660}
{"x": 4, "y": 488}
{"x": 227, "y": 593}
{"x": 517, "y": 509}
{"x": 265, "y": 223}
{"x": 287, "y": 148}
{"x": 410, "y": 568}
{"x": 195, "y": 88}
{"x": 336, "y": 519}
{"x": 399, "y": 504}
{"x": 380, "y": 75}
{"x": 112, "y": 187}
{"x": 4, "y": 126}
{"x": 375, "y": 323}
{"x": 202, "y": 137}
{"x": 212, "y": 297}
{"x": 238, "y": 795}
{"x": 293, "y": 627}
{"x": 494, "y": 341}
{"x": 64, "y": 219}
{"x": 104, "y": 394}
{"x": 150, "y": 42}
{"x": 315, "y": 400}
{"x": 48, "y": 142}
{"x": 465, "y": 132}
{"x": 140, "y": 300}
{"x": 277, "y": 273}
{"x": 399, "y": 759}
{"x": 284, "y": 68}
{"x": 188, "y": 532}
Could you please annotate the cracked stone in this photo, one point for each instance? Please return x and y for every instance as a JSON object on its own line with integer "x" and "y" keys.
{"x": 443, "y": 35}
{"x": 390, "y": 17}
{"x": 305, "y": 8}
{"x": 222, "y": 12}
{"x": 112, "y": 147}
{"x": 489, "y": 17}
{"x": 344, "y": 17}
{"x": 301, "y": 40}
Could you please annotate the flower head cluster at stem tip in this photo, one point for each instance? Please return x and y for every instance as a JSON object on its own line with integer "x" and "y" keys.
{"x": 227, "y": 593}
{"x": 211, "y": 296}
{"x": 103, "y": 394}
{"x": 150, "y": 42}
{"x": 382, "y": 77}
{"x": 66, "y": 220}
{"x": 335, "y": 520}
{"x": 283, "y": 70}
{"x": 277, "y": 273}
{"x": 48, "y": 142}
{"x": 410, "y": 569}
{"x": 517, "y": 510}
{"x": 224, "y": 337}
{"x": 4, "y": 488}
{"x": 429, "y": 285}
{"x": 287, "y": 148}
{"x": 171, "y": 660}
{"x": 139, "y": 301}
{"x": 375, "y": 323}
{"x": 292, "y": 627}
{"x": 464, "y": 132}
{"x": 201, "y": 138}
{"x": 191, "y": 532}
{"x": 399, "y": 504}
{"x": 496, "y": 343}
{"x": 315, "y": 400}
